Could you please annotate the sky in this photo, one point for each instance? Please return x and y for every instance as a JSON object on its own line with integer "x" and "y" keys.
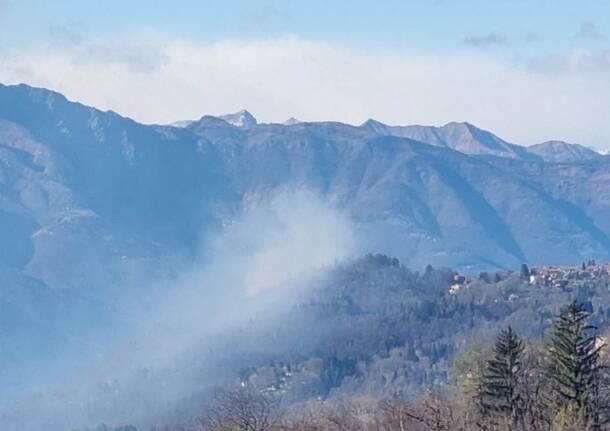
{"x": 527, "y": 70}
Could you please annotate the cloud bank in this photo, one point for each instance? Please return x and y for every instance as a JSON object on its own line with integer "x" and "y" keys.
{"x": 161, "y": 80}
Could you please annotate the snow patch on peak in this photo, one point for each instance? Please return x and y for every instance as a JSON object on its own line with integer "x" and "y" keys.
{"x": 182, "y": 124}
{"x": 241, "y": 119}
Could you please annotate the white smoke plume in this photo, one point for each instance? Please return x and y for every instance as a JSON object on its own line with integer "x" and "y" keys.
{"x": 255, "y": 265}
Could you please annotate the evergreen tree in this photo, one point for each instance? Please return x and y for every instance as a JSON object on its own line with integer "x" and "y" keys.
{"x": 525, "y": 271}
{"x": 503, "y": 376}
{"x": 574, "y": 365}
{"x": 484, "y": 276}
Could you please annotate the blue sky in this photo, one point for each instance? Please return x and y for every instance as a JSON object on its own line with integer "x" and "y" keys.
{"x": 528, "y": 70}
{"x": 543, "y": 27}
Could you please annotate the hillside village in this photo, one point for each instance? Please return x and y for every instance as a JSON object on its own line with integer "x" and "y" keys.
{"x": 564, "y": 276}
{"x": 560, "y": 277}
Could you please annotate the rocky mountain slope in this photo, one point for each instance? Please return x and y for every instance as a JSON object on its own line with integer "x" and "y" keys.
{"x": 462, "y": 137}
{"x": 562, "y": 152}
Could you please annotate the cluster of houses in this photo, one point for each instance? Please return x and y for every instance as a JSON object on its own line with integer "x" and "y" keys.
{"x": 562, "y": 276}
{"x": 549, "y": 276}
{"x": 459, "y": 281}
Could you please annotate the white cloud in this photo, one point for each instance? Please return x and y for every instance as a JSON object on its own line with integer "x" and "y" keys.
{"x": 168, "y": 80}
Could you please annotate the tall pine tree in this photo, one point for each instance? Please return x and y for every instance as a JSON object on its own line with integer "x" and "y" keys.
{"x": 503, "y": 376}
{"x": 574, "y": 366}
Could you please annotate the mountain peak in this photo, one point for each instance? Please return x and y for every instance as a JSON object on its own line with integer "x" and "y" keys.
{"x": 461, "y": 125}
{"x": 37, "y": 94}
{"x": 240, "y": 119}
{"x": 372, "y": 121}
{"x": 291, "y": 122}
{"x": 376, "y": 126}
{"x": 561, "y": 151}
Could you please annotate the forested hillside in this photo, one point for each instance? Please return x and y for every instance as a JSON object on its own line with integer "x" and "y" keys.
{"x": 363, "y": 332}
{"x": 374, "y": 331}
{"x": 377, "y": 328}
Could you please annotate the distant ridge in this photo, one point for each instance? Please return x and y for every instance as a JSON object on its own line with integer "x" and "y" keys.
{"x": 560, "y": 151}
{"x": 463, "y": 137}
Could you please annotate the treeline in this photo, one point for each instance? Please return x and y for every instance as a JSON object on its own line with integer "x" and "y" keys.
{"x": 560, "y": 384}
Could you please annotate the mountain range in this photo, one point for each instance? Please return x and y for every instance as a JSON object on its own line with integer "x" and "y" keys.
{"x": 91, "y": 202}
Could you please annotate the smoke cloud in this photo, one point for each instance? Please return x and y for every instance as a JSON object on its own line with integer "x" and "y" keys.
{"x": 258, "y": 264}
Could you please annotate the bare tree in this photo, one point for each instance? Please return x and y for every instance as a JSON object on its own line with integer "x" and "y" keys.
{"x": 395, "y": 415}
{"x": 429, "y": 414}
{"x": 355, "y": 414}
{"x": 244, "y": 409}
